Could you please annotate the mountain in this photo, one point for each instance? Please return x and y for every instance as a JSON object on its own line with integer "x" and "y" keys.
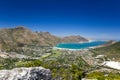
{"x": 20, "y": 36}
{"x": 73, "y": 39}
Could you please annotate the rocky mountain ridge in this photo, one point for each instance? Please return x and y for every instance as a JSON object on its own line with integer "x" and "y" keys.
{"x": 20, "y": 36}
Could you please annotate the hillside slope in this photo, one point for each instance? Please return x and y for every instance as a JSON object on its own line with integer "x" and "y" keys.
{"x": 20, "y": 36}
{"x": 112, "y": 51}
{"x": 73, "y": 39}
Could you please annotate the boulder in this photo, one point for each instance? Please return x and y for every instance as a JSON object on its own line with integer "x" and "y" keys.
{"x": 32, "y": 73}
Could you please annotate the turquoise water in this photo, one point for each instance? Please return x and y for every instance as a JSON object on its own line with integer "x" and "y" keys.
{"x": 80, "y": 45}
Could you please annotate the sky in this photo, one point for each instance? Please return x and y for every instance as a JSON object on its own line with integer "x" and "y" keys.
{"x": 93, "y": 19}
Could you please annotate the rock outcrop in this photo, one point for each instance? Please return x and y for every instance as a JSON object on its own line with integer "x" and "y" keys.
{"x": 32, "y": 73}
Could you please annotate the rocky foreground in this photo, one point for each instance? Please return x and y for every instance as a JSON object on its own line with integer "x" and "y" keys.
{"x": 32, "y": 73}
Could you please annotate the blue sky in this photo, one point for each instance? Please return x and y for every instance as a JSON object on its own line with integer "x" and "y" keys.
{"x": 95, "y": 19}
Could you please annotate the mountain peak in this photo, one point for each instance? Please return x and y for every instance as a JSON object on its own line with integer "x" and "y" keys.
{"x": 15, "y": 37}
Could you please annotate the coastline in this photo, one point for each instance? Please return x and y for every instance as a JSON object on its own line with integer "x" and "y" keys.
{"x": 55, "y": 48}
{"x": 65, "y": 49}
{"x": 87, "y": 48}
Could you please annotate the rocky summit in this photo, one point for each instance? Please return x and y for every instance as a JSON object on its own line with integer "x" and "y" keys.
{"x": 32, "y": 73}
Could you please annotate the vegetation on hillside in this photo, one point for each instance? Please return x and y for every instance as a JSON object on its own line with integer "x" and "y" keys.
{"x": 63, "y": 65}
{"x": 12, "y": 38}
{"x": 112, "y": 52}
{"x": 104, "y": 76}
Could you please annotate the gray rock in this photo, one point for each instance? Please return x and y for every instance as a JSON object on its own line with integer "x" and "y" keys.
{"x": 32, "y": 73}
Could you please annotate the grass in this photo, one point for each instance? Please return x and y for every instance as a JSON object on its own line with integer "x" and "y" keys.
{"x": 46, "y": 55}
{"x": 55, "y": 54}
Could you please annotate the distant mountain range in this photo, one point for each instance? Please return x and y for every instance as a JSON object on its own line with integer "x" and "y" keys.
{"x": 20, "y": 36}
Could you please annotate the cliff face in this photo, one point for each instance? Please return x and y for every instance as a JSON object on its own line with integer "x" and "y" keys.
{"x": 33, "y": 73}
{"x": 20, "y": 36}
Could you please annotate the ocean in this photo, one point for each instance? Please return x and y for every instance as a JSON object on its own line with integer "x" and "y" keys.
{"x": 79, "y": 45}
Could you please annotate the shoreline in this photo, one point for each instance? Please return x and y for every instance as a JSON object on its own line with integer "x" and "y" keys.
{"x": 55, "y": 48}
{"x": 87, "y": 48}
